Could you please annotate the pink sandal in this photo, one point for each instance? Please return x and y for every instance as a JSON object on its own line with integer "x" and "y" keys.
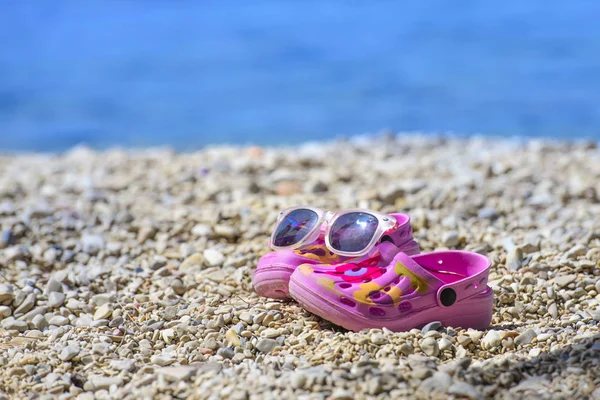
{"x": 446, "y": 286}
{"x": 308, "y": 235}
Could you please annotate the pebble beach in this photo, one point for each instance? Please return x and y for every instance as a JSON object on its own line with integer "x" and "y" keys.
{"x": 127, "y": 274}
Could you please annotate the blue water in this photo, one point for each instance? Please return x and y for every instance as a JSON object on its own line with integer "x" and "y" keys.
{"x": 189, "y": 73}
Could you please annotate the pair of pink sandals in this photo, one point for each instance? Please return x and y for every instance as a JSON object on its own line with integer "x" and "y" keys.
{"x": 362, "y": 269}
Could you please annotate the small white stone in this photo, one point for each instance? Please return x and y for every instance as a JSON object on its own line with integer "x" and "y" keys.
{"x": 564, "y": 280}
{"x": 213, "y": 257}
{"x": 14, "y": 324}
{"x": 103, "y": 312}
{"x": 491, "y": 340}
{"x": 39, "y": 322}
{"x": 100, "y": 348}
{"x": 161, "y": 360}
{"x": 92, "y": 244}
{"x": 5, "y": 312}
{"x": 6, "y": 293}
{"x": 266, "y": 345}
{"x": 102, "y": 383}
{"x": 378, "y": 338}
{"x": 450, "y": 239}
{"x": 576, "y": 251}
{"x": 56, "y": 299}
{"x": 168, "y": 335}
{"x": 123, "y": 365}
{"x": 58, "y": 320}
{"x": 177, "y": 374}
{"x": 270, "y": 333}
{"x": 68, "y": 353}
{"x": 202, "y": 230}
{"x": 430, "y": 347}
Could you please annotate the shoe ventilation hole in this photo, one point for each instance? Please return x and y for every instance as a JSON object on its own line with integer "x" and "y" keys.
{"x": 366, "y": 280}
{"x": 440, "y": 262}
{"x": 347, "y": 302}
{"x": 404, "y": 306}
{"x": 397, "y": 281}
{"x": 376, "y": 311}
{"x": 345, "y": 285}
{"x": 387, "y": 289}
{"x": 374, "y": 295}
{"x": 387, "y": 239}
{"x": 356, "y": 269}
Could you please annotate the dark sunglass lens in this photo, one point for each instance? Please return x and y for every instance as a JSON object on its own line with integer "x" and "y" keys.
{"x": 352, "y": 232}
{"x": 294, "y": 227}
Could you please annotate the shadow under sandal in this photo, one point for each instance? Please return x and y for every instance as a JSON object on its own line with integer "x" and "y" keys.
{"x": 409, "y": 292}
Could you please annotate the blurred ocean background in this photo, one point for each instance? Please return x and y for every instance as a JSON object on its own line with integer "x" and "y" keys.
{"x": 189, "y": 73}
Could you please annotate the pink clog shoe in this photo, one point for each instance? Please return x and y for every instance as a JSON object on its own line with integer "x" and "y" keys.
{"x": 274, "y": 269}
{"x": 446, "y": 286}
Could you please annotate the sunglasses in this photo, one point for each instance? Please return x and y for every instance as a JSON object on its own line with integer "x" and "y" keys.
{"x": 351, "y": 233}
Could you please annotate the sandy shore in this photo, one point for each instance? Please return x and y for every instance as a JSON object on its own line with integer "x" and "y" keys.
{"x": 127, "y": 274}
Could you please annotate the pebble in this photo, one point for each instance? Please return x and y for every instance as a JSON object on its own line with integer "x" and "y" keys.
{"x": 430, "y": 347}
{"x": 26, "y": 305}
{"x": 192, "y": 261}
{"x": 104, "y": 311}
{"x": 92, "y": 244}
{"x": 182, "y": 373}
{"x": 202, "y": 230}
{"x": 432, "y": 326}
{"x": 5, "y": 312}
{"x": 576, "y": 251}
{"x": 298, "y": 380}
{"x": 14, "y": 324}
{"x": 214, "y": 257}
{"x": 564, "y": 280}
{"x": 6, "y": 238}
{"x": 6, "y": 294}
{"x": 56, "y": 299}
{"x": 97, "y": 383}
{"x": 514, "y": 259}
{"x": 491, "y": 339}
{"x": 102, "y": 299}
{"x": 226, "y": 352}
{"x": 270, "y": 333}
{"x": 488, "y": 213}
{"x": 341, "y": 394}
{"x": 161, "y": 360}
{"x": 53, "y": 286}
{"x": 100, "y": 348}
{"x": 378, "y": 338}
{"x": 266, "y": 345}
{"x": 123, "y": 365}
{"x": 450, "y": 239}
{"x": 58, "y": 320}
{"x": 438, "y": 382}
{"x": 39, "y": 322}
{"x": 444, "y": 344}
{"x": 233, "y": 338}
{"x": 525, "y": 338}
{"x": 68, "y": 353}
{"x": 463, "y": 389}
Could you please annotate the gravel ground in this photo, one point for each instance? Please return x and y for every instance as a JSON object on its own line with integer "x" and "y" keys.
{"x": 127, "y": 274}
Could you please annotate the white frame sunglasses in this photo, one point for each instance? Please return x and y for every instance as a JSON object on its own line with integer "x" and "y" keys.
{"x": 385, "y": 223}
